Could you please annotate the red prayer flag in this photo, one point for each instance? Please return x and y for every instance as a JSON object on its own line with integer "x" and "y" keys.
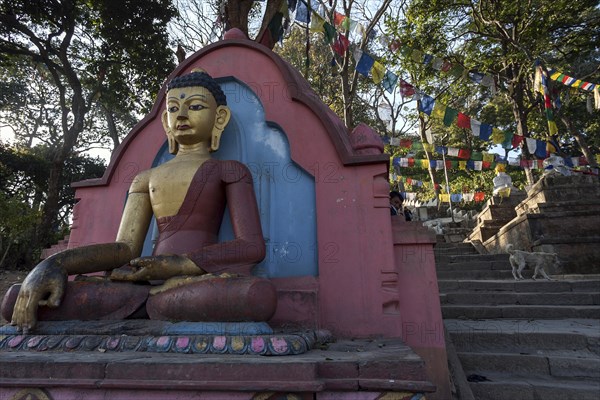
{"x": 464, "y": 121}
{"x": 394, "y": 45}
{"x": 406, "y": 89}
{"x": 411, "y": 162}
{"x": 464, "y": 154}
{"x": 338, "y": 18}
{"x": 340, "y": 45}
{"x": 407, "y": 143}
{"x": 446, "y": 66}
{"x": 408, "y": 181}
{"x": 437, "y": 186}
{"x": 479, "y": 196}
{"x": 448, "y": 164}
{"x": 516, "y": 140}
{"x": 486, "y": 165}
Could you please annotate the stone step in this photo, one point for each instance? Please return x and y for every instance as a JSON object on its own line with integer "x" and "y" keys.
{"x": 491, "y": 263}
{"x": 523, "y": 286}
{"x": 558, "y": 337}
{"x": 519, "y": 311}
{"x": 508, "y": 386}
{"x": 578, "y": 365}
{"x": 445, "y": 259}
{"x": 476, "y": 275}
{"x": 454, "y": 248}
{"x": 539, "y": 298}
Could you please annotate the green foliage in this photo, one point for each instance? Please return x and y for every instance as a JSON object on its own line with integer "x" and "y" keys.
{"x": 76, "y": 57}
{"x": 24, "y": 182}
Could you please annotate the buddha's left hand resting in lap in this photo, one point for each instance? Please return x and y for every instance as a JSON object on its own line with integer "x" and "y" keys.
{"x": 201, "y": 279}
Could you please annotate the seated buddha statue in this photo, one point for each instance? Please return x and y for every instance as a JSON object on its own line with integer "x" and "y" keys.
{"x": 190, "y": 276}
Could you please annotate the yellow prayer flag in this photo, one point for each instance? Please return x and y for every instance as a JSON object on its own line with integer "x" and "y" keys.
{"x": 497, "y": 136}
{"x": 552, "y": 128}
{"x": 417, "y": 56}
{"x": 316, "y": 23}
{"x": 462, "y": 165}
{"x": 598, "y": 158}
{"x": 444, "y": 197}
{"x": 439, "y": 110}
{"x": 577, "y": 83}
{"x": 378, "y": 72}
{"x": 555, "y": 76}
{"x": 488, "y": 157}
{"x": 424, "y": 163}
{"x": 428, "y": 147}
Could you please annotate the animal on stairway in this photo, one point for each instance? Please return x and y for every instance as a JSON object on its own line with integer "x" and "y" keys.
{"x": 519, "y": 259}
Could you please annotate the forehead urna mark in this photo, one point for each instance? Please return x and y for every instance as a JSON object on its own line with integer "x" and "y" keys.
{"x": 182, "y": 95}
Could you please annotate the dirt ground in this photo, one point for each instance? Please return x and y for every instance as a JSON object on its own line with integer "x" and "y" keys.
{"x": 7, "y": 279}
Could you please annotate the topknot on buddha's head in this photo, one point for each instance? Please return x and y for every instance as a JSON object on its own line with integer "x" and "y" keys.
{"x": 199, "y": 78}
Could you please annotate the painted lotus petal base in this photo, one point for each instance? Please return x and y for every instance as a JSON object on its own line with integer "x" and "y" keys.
{"x": 266, "y": 345}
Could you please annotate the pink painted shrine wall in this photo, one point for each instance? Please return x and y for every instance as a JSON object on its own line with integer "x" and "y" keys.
{"x": 358, "y": 290}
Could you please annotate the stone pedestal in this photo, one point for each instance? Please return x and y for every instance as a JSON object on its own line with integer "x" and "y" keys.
{"x": 561, "y": 214}
{"x": 496, "y": 213}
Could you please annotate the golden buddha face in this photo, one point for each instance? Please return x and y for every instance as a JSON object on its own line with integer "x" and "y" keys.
{"x": 193, "y": 116}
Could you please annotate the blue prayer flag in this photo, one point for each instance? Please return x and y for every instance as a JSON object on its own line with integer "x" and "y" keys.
{"x": 470, "y": 164}
{"x": 389, "y": 81}
{"x": 426, "y": 104}
{"x": 540, "y": 149}
{"x": 365, "y": 64}
{"x": 302, "y": 14}
{"x": 485, "y": 132}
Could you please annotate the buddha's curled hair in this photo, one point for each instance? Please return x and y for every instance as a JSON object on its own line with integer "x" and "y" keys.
{"x": 199, "y": 78}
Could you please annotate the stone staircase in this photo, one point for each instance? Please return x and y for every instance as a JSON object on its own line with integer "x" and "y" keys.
{"x": 526, "y": 340}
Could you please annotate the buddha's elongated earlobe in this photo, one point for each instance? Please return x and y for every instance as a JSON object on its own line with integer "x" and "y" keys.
{"x": 223, "y": 116}
{"x": 216, "y": 139}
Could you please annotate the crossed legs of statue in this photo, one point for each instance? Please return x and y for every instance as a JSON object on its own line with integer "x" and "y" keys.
{"x": 216, "y": 298}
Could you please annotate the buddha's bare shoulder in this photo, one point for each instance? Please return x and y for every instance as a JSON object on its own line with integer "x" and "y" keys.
{"x": 141, "y": 182}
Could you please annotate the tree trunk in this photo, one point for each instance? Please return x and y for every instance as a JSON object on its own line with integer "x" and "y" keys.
{"x": 516, "y": 91}
{"x": 10, "y": 242}
{"x": 580, "y": 141}
{"x": 236, "y": 14}
{"x": 422, "y": 129}
{"x": 112, "y": 127}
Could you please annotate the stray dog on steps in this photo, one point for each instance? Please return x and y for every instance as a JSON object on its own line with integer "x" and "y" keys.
{"x": 519, "y": 259}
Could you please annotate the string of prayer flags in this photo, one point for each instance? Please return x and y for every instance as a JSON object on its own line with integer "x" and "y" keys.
{"x": 440, "y": 64}
{"x": 541, "y": 78}
{"x": 572, "y": 82}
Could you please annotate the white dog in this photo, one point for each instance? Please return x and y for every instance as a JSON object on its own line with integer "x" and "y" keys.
{"x": 519, "y": 259}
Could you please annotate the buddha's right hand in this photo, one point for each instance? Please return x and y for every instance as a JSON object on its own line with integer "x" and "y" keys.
{"x": 44, "y": 286}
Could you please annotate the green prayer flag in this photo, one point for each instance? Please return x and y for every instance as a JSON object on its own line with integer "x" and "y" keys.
{"x": 330, "y": 32}
{"x": 450, "y": 116}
